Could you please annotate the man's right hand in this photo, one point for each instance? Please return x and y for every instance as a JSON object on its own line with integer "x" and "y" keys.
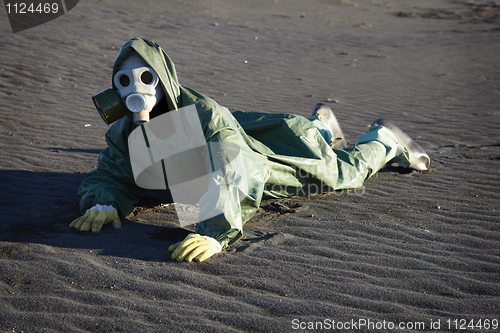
{"x": 96, "y": 217}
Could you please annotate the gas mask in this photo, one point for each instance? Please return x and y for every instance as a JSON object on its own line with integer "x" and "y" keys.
{"x": 138, "y": 89}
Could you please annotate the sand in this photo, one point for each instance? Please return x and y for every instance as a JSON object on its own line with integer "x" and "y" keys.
{"x": 409, "y": 248}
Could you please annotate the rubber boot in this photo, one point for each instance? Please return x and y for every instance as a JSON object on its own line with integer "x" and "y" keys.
{"x": 401, "y": 149}
{"x": 326, "y": 114}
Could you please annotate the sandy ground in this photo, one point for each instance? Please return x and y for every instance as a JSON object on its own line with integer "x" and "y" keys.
{"x": 409, "y": 248}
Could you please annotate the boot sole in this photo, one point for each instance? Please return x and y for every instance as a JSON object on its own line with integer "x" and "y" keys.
{"x": 419, "y": 159}
{"x": 327, "y": 113}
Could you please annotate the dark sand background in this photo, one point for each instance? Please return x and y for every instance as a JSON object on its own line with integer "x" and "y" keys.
{"x": 409, "y": 247}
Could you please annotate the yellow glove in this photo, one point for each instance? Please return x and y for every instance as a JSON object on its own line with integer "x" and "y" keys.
{"x": 96, "y": 217}
{"x": 195, "y": 247}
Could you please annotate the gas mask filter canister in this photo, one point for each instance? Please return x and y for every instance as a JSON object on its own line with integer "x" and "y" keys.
{"x": 109, "y": 105}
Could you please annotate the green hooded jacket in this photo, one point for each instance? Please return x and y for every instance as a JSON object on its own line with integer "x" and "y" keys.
{"x": 284, "y": 155}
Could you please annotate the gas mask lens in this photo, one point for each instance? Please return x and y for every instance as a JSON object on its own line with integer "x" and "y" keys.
{"x": 124, "y": 80}
{"x": 146, "y": 77}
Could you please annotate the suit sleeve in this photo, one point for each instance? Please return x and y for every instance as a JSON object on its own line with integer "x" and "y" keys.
{"x": 238, "y": 189}
{"x": 112, "y": 183}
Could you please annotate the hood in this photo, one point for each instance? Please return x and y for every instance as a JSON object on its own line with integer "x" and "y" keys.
{"x": 159, "y": 61}
{"x": 213, "y": 117}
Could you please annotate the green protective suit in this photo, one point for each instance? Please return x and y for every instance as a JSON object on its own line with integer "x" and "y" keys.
{"x": 282, "y": 155}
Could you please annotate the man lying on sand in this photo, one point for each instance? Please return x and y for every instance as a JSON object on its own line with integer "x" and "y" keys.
{"x": 279, "y": 155}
